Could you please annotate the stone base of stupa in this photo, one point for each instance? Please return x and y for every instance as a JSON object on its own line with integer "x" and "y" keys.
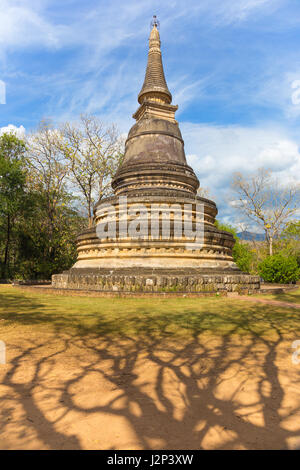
{"x": 157, "y": 280}
{"x": 156, "y": 264}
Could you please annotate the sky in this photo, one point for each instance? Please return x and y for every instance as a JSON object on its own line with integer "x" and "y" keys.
{"x": 233, "y": 68}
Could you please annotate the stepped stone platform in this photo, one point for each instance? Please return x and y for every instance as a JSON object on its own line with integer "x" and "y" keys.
{"x": 156, "y": 280}
{"x": 92, "y": 292}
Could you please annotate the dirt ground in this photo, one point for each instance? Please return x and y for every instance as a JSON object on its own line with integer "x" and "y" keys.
{"x": 69, "y": 392}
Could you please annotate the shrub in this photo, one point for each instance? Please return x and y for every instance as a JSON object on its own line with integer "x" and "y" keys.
{"x": 242, "y": 254}
{"x": 279, "y": 268}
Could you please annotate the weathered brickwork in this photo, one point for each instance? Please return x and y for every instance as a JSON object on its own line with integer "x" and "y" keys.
{"x": 204, "y": 283}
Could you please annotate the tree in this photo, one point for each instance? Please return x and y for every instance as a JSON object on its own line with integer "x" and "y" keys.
{"x": 242, "y": 253}
{"x": 40, "y": 256}
{"x": 48, "y": 167}
{"x": 40, "y": 179}
{"x": 12, "y": 189}
{"x": 47, "y": 179}
{"x": 289, "y": 242}
{"x": 292, "y": 231}
{"x": 203, "y": 192}
{"x": 265, "y": 202}
{"x": 94, "y": 152}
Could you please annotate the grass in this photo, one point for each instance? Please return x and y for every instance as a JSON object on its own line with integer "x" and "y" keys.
{"x": 293, "y": 296}
{"x": 22, "y": 311}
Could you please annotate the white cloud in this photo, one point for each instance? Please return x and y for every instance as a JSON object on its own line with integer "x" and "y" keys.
{"x": 280, "y": 88}
{"x": 22, "y": 25}
{"x": 216, "y": 152}
{"x": 278, "y": 155}
{"x": 94, "y": 30}
{"x": 237, "y": 10}
{"x": 26, "y": 23}
{"x": 19, "y": 131}
{"x": 185, "y": 90}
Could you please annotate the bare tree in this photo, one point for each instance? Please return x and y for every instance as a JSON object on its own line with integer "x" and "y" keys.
{"x": 267, "y": 203}
{"x": 203, "y": 192}
{"x": 94, "y": 152}
{"x": 48, "y": 169}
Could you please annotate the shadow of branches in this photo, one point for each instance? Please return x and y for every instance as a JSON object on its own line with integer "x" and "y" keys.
{"x": 193, "y": 391}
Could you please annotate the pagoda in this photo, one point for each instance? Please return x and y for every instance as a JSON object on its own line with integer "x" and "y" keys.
{"x": 128, "y": 249}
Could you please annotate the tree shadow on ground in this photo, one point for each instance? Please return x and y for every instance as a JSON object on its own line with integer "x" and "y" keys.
{"x": 194, "y": 391}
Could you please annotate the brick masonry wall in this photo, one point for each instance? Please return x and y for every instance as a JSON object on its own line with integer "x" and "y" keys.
{"x": 206, "y": 283}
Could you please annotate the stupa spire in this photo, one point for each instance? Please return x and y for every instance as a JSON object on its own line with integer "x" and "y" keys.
{"x": 155, "y": 86}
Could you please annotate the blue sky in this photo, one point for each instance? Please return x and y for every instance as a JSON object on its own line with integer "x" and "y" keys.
{"x": 233, "y": 68}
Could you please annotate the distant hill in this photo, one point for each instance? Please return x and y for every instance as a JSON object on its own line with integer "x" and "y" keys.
{"x": 251, "y": 236}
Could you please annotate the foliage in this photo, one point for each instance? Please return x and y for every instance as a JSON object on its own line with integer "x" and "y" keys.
{"x": 242, "y": 253}
{"x": 292, "y": 230}
{"x": 12, "y": 193}
{"x": 41, "y": 255}
{"x": 279, "y": 268}
{"x": 288, "y": 243}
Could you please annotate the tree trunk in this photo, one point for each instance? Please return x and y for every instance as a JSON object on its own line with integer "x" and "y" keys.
{"x": 271, "y": 246}
{"x": 6, "y": 256}
{"x": 269, "y": 240}
{"x": 90, "y": 214}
